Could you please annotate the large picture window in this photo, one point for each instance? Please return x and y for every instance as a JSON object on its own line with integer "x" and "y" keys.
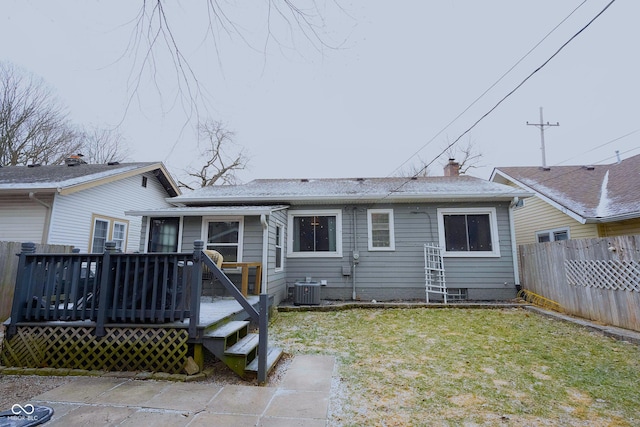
{"x": 224, "y": 235}
{"x": 315, "y": 233}
{"x": 469, "y": 232}
{"x": 380, "y": 229}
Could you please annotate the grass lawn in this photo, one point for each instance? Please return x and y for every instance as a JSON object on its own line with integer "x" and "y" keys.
{"x": 421, "y": 366}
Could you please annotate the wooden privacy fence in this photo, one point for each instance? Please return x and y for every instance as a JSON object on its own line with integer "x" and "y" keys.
{"x": 597, "y": 279}
{"x": 9, "y": 267}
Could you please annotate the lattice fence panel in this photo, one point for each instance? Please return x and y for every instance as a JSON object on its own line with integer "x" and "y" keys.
{"x": 121, "y": 349}
{"x": 604, "y": 274}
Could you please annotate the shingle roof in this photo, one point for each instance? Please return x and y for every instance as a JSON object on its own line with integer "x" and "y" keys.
{"x": 354, "y": 190}
{"x": 595, "y": 193}
{"x": 53, "y": 177}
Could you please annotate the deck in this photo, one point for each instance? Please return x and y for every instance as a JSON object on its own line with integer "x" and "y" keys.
{"x": 123, "y": 312}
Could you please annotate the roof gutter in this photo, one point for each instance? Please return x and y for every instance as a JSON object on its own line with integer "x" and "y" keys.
{"x": 355, "y": 198}
{"x": 614, "y": 218}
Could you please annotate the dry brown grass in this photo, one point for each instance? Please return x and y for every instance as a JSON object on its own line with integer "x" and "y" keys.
{"x": 467, "y": 367}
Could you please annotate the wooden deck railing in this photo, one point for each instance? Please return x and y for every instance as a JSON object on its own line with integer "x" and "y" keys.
{"x": 117, "y": 288}
{"x": 103, "y": 288}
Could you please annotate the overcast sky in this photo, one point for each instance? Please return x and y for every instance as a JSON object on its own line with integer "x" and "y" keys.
{"x": 400, "y": 72}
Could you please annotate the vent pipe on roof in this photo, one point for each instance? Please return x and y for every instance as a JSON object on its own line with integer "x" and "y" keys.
{"x": 618, "y": 156}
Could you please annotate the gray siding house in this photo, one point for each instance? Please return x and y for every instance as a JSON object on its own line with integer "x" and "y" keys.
{"x": 361, "y": 238}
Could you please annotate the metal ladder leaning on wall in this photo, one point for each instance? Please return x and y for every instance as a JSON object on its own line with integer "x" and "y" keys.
{"x": 434, "y": 271}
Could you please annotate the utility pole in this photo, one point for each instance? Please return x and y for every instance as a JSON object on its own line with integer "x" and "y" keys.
{"x": 541, "y": 126}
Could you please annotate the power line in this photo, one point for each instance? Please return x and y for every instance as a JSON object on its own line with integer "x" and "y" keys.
{"x": 599, "y": 146}
{"x": 504, "y": 98}
{"x": 489, "y": 88}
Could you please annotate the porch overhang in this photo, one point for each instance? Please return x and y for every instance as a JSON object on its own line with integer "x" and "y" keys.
{"x": 208, "y": 211}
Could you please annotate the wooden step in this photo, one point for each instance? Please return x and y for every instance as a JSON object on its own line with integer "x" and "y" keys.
{"x": 273, "y": 355}
{"x": 227, "y": 329}
{"x": 243, "y": 347}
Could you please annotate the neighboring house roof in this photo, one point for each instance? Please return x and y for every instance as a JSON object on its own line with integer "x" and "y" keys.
{"x": 66, "y": 179}
{"x": 353, "y": 190}
{"x": 589, "y": 194}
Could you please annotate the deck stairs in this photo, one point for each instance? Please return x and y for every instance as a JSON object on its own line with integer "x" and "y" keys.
{"x": 236, "y": 347}
{"x": 434, "y": 271}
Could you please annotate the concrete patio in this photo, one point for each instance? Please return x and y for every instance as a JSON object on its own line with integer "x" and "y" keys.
{"x": 300, "y": 399}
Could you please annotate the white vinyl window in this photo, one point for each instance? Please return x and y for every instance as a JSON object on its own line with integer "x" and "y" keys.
{"x": 314, "y": 233}
{"x": 552, "y": 235}
{"x": 224, "y": 235}
{"x": 100, "y": 235}
{"x": 469, "y": 232}
{"x": 108, "y": 229}
{"x": 380, "y": 229}
{"x": 119, "y": 235}
{"x": 279, "y": 246}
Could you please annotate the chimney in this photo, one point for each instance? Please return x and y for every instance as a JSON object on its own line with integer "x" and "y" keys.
{"x": 452, "y": 168}
{"x": 74, "y": 160}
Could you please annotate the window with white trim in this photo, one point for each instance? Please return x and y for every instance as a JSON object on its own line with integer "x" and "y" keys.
{"x": 315, "y": 233}
{"x": 279, "y": 246}
{"x": 106, "y": 229}
{"x": 100, "y": 235}
{"x": 468, "y": 232}
{"x": 552, "y": 235}
{"x": 119, "y": 235}
{"x": 380, "y": 229}
{"x": 224, "y": 235}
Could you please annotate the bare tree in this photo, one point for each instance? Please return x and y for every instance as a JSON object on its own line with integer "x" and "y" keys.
{"x": 101, "y": 145}
{"x": 283, "y": 23}
{"x": 418, "y": 169}
{"x": 34, "y": 127}
{"x": 467, "y": 156}
{"x": 223, "y": 157}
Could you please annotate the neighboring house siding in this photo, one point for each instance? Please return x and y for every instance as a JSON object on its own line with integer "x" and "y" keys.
{"x": 73, "y": 213}
{"x": 620, "y": 228}
{"x": 537, "y": 215}
{"x": 22, "y": 219}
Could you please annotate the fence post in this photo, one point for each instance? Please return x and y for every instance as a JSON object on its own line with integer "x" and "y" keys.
{"x": 196, "y": 287}
{"x": 263, "y": 338}
{"x": 104, "y": 287}
{"x": 20, "y": 293}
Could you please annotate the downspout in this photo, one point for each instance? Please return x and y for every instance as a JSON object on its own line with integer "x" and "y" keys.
{"x": 265, "y": 254}
{"x": 356, "y": 255}
{"x": 45, "y": 231}
{"x": 514, "y": 248}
